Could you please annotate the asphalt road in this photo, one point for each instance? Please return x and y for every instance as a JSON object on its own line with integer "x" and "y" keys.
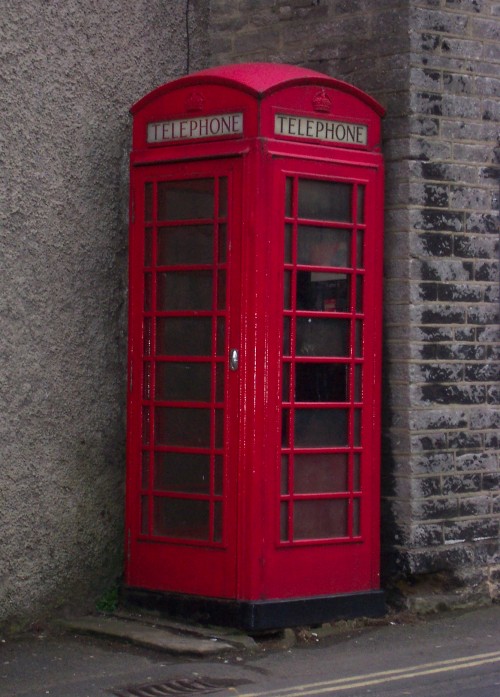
{"x": 448, "y": 655}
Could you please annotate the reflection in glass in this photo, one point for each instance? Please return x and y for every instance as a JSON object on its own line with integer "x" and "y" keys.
{"x": 179, "y": 426}
{"x": 320, "y": 519}
{"x": 147, "y": 336}
{"x": 184, "y": 518}
{"x": 146, "y": 380}
{"x": 320, "y": 428}
{"x": 322, "y": 337}
{"x": 188, "y": 244}
{"x": 190, "y": 382}
{"x": 182, "y": 472}
{"x": 184, "y": 290}
{"x": 328, "y": 292}
{"x": 320, "y": 473}
{"x": 318, "y": 246}
{"x": 146, "y": 423}
{"x": 324, "y": 200}
{"x": 320, "y": 382}
{"x": 186, "y": 200}
{"x": 184, "y": 336}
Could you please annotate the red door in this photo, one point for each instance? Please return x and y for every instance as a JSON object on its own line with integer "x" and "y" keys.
{"x": 325, "y": 506}
{"x": 183, "y": 392}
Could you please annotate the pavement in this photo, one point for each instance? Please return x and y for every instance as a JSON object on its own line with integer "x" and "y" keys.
{"x": 142, "y": 654}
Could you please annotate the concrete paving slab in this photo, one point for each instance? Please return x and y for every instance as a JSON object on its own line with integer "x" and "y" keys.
{"x": 150, "y": 636}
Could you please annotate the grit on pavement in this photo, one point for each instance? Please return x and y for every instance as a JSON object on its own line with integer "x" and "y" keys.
{"x": 139, "y": 655}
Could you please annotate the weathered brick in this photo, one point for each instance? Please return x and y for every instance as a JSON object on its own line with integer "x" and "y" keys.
{"x": 460, "y": 352}
{"x": 465, "y": 440}
{"x": 453, "y": 394}
{"x": 475, "y": 246}
{"x": 474, "y": 506}
{"x": 470, "y": 530}
{"x": 459, "y": 293}
{"x": 479, "y": 462}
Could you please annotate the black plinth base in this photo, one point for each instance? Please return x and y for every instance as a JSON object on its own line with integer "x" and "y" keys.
{"x": 262, "y": 615}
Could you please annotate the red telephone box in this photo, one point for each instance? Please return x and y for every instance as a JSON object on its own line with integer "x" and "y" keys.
{"x": 255, "y": 341}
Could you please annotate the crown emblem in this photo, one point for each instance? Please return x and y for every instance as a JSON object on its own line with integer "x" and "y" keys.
{"x": 195, "y": 102}
{"x": 321, "y": 101}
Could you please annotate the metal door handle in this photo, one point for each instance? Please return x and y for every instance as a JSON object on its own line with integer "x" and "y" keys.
{"x": 234, "y": 359}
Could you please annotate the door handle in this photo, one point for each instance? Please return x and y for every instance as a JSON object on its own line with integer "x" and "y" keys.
{"x": 234, "y": 359}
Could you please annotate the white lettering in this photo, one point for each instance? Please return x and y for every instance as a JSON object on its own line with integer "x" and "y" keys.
{"x": 200, "y": 127}
{"x": 320, "y": 129}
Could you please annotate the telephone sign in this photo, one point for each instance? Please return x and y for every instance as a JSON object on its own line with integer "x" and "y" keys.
{"x": 254, "y": 348}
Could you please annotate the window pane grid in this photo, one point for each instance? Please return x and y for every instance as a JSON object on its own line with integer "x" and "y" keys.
{"x": 309, "y": 511}
{"x": 182, "y": 263}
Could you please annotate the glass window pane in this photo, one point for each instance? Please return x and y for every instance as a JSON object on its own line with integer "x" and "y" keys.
{"x": 147, "y": 292}
{"x": 145, "y": 470}
{"x": 222, "y": 243}
{"x": 284, "y": 534}
{"x": 284, "y": 474}
{"x": 288, "y": 244}
{"x": 288, "y": 196}
{"x": 190, "y": 382}
{"x": 285, "y": 428}
{"x": 190, "y": 244}
{"x": 287, "y": 298}
{"x": 181, "y": 518}
{"x": 184, "y": 336}
{"x": 359, "y": 249}
{"x": 184, "y": 427}
{"x": 357, "y": 427}
{"x": 320, "y": 382}
{"x": 147, "y": 336}
{"x": 358, "y": 342}
{"x": 221, "y": 336}
{"x": 323, "y": 246}
{"x": 321, "y": 428}
{"x": 186, "y": 200}
{"x": 356, "y": 523}
{"x": 323, "y": 200}
{"x": 146, "y": 381}
{"x": 223, "y": 197}
{"x": 356, "y": 471}
{"x": 144, "y": 515}
{"x": 361, "y": 204}
{"x": 320, "y": 473}
{"x": 358, "y": 391}
{"x": 218, "y": 475}
{"x": 218, "y": 521}
{"x": 320, "y": 519}
{"x": 327, "y": 292}
{"x": 146, "y": 423}
{"x": 184, "y": 290}
{"x": 186, "y": 472}
{"x": 286, "y": 336}
{"x": 219, "y": 429}
{"x": 148, "y": 201}
{"x": 322, "y": 337}
{"x": 286, "y": 382}
{"x": 148, "y": 246}
{"x": 359, "y": 293}
{"x": 221, "y": 290}
{"x": 219, "y": 383}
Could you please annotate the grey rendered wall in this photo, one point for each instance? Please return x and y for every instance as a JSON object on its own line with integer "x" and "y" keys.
{"x": 70, "y": 71}
{"x": 434, "y": 64}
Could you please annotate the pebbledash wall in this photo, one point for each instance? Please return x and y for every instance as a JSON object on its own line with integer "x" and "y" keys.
{"x": 435, "y": 66}
{"x": 70, "y": 71}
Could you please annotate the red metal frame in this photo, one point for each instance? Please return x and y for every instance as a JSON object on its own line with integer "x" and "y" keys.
{"x": 254, "y": 560}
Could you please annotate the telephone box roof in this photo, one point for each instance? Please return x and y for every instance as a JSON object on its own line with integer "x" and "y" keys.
{"x": 259, "y": 79}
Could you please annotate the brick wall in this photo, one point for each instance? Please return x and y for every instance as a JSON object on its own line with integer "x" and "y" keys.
{"x": 434, "y": 64}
